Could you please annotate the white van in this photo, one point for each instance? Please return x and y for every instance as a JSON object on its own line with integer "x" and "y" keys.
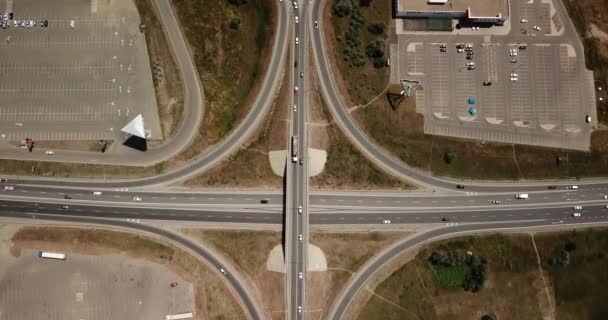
{"x": 521, "y": 196}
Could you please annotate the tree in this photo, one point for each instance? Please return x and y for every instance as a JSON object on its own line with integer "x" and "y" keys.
{"x": 379, "y": 62}
{"x": 449, "y": 157}
{"x": 375, "y": 49}
{"x": 343, "y": 8}
{"x": 561, "y": 258}
{"x": 237, "y": 2}
{"x": 365, "y": 3}
{"x": 235, "y": 23}
{"x": 376, "y": 28}
{"x": 570, "y": 246}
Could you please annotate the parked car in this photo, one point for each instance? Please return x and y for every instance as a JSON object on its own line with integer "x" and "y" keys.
{"x": 487, "y": 83}
{"x": 460, "y": 186}
{"x": 576, "y": 214}
{"x": 386, "y": 221}
{"x": 316, "y": 24}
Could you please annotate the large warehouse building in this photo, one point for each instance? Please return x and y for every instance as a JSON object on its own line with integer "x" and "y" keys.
{"x": 473, "y": 11}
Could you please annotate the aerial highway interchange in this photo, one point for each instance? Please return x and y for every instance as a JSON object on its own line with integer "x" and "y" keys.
{"x": 478, "y": 207}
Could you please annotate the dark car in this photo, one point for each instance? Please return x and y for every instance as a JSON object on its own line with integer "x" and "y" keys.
{"x": 443, "y": 50}
{"x": 295, "y": 64}
{"x": 460, "y": 186}
{"x": 469, "y": 57}
{"x": 264, "y": 201}
{"x": 552, "y": 187}
{"x": 487, "y": 83}
{"x": 10, "y": 15}
{"x": 445, "y": 219}
{"x": 522, "y": 47}
{"x": 67, "y": 196}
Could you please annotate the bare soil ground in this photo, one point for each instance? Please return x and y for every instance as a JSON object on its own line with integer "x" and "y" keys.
{"x": 400, "y": 132}
{"x": 213, "y": 300}
{"x": 514, "y": 288}
{"x": 248, "y": 251}
{"x": 345, "y": 253}
{"x": 250, "y": 166}
{"x": 168, "y": 87}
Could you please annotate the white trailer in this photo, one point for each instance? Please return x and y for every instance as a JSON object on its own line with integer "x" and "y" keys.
{"x": 51, "y": 255}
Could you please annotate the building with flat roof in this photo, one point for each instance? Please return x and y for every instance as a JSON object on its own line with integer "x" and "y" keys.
{"x": 474, "y": 11}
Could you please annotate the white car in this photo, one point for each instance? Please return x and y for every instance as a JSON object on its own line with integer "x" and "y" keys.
{"x": 9, "y": 188}
{"x": 223, "y": 271}
{"x": 514, "y": 74}
{"x": 72, "y": 24}
{"x": 578, "y": 208}
{"x": 136, "y": 199}
{"x": 300, "y": 238}
{"x": 469, "y": 46}
{"x": 460, "y": 50}
{"x": 605, "y": 197}
{"x": 97, "y": 193}
{"x": 523, "y": 21}
{"x": 300, "y": 210}
{"x": 316, "y": 24}
{"x": 300, "y": 275}
{"x": 297, "y": 40}
{"x": 299, "y": 309}
{"x": 296, "y": 19}
{"x": 573, "y": 187}
{"x": 49, "y": 153}
{"x": 470, "y": 64}
{"x": 295, "y": 4}
{"x": 295, "y": 108}
{"x": 513, "y": 79}
{"x": 588, "y": 119}
{"x": 64, "y": 207}
{"x": 537, "y": 28}
{"x": 576, "y": 214}
{"x": 386, "y": 221}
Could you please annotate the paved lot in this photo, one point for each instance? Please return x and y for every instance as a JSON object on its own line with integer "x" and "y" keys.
{"x": 539, "y": 96}
{"x": 88, "y": 288}
{"x": 80, "y": 83}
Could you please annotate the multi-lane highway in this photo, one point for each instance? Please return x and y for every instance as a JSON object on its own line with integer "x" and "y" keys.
{"x": 297, "y": 180}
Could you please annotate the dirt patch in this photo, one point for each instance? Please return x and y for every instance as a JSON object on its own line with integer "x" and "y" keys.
{"x": 167, "y": 81}
{"x": 230, "y": 45}
{"x": 248, "y": 251}
{"x": 250, "y": 166}
{"x": 345, "y": 254}
{"x": 213, "y": 299}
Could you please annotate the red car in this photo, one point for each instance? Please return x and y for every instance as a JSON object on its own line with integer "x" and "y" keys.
{"x": 173, "y": 284}
{"x": 296, "y": 91}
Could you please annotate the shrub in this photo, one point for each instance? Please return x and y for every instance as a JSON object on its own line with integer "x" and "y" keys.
{"x": 343, "y": 8}
{"x": 376, "y": 28}
{"x": 365, "y": 3}
{"x": 235, "y": 23}
{"x": 375, "y": 49}
{"x": 237, "y": 2}
{"x": 449, "y": 157}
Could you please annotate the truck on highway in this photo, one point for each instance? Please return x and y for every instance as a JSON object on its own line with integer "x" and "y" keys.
{"x": 521, "y": 196}
{"x": 294, "y": 149}
{"x": 51, "y": 255}
{"x": 186, "y": 315}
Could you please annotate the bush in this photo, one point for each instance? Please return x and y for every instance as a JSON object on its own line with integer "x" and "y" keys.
{"x": 379, "y": 62}
{"x": 365, "y": 3}
{"x": 343, "y": 8}
{"x": 237, "y": 2}
{"x": 376, "y": 28}
{"x": 375, "y": 49}
{"x": 561, "y": 258}
{"x": 449, "y": 157}
{"x": 235, "y": 23}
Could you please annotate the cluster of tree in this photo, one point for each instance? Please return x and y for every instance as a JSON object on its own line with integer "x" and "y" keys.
{"x": 376, "y": 49}
{"x": 477, "y": 267}
{"x": 561, "y": 256}
{"x": 449, "y": 157}
{"x": 235, "y": 23}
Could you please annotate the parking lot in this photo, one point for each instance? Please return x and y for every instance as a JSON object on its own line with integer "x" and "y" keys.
{"x": 73, "y": 70}
{"x": 527, "y": 87}
{"x": 88, "y": 288}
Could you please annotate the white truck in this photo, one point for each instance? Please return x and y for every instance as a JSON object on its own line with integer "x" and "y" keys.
{"x": 51, "y": 255}
{"x": 521, "y": 196}
{"x": 294, "y": 149}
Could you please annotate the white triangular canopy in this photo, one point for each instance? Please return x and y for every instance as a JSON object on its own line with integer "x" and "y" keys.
{"x": 136, "y": 127}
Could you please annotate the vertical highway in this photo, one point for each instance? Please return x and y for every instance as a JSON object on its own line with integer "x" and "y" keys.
{"x": 296, "y": 236}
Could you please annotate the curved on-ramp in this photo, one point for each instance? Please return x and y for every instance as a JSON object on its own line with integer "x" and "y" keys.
{"x": 193, "y": 104}
{"x": 374, "y": 152}
{"x": 232, "y": 279}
